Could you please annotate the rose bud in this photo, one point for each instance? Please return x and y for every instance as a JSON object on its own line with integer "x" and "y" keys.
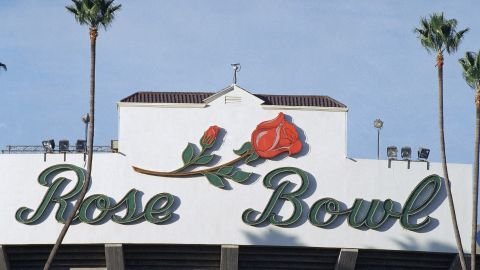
{"x": 208, "y": 138}
{"x": 274, "y": 137}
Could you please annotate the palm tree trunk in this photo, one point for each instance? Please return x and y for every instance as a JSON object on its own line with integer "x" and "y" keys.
{"x": 443, "y": 156}
{"x": 473, "y": 243}
{"x": 66, "y": 226}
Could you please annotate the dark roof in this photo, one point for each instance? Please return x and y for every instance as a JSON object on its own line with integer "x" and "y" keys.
{"x": 198, "y": 97}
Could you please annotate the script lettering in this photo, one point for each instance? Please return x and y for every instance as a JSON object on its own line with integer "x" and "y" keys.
{"x": 97, "y": 207}
{"x": 280, "y": 194}
{"x": 325, "y": 211}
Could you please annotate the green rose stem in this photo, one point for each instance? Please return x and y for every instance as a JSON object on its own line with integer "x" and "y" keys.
{"x": 176, "y": 173}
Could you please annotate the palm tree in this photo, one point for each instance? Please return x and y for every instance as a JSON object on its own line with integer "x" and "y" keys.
{"x": 93, "y": 13}
{"x": 437, "y": 35}
{"x": 2, "y": 65}
{"x": 471, "y": 72}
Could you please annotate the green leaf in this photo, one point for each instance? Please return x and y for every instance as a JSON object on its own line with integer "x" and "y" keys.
{"x": 204, "y": 160}
{"x": 251, "y": 158}
{"x": 245, "y": 147}
{"x": 215, "y": 180}
{"x": 225, "y": 170}
{"x": 240, "y": 176}
{"x": 188, "y": 153}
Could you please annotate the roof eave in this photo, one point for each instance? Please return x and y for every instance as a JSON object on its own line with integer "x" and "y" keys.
{"x": 161, "y": 105}
{"x": 305, "y": 108}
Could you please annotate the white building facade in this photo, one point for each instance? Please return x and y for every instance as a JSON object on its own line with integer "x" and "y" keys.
{"x": 240, "y": 171}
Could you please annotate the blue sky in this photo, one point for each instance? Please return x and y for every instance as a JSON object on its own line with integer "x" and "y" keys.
{"x": 362, "y": 54}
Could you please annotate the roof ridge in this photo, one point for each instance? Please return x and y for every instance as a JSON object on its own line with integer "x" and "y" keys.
{"x": 301, "y": 95}
{"x": 199, "y": 97}
{"x": 175, "y": 92}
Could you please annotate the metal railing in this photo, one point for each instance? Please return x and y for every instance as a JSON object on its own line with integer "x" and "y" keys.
{"x": 30, "y": 149}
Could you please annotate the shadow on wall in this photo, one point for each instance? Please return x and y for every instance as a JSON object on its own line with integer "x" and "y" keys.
{"x": 411, "y": 243}
{"x": 273, "y": 237}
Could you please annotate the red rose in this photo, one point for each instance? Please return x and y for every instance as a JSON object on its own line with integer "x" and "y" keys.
{"x": 275, "y": 136}
{"x": 209, "y": 136}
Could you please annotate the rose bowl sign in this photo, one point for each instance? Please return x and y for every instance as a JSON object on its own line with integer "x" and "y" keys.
{"x": 242, "y": 173}
{"x": 270, "y": 139}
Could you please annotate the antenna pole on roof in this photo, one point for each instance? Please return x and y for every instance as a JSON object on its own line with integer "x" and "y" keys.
{"x": 236, "y": 68}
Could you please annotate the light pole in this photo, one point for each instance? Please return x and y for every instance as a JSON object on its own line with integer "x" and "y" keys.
{"x": 86, "y": 119}
{"x": 378, "y": 124}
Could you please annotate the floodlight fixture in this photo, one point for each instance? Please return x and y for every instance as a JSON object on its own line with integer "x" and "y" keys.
{"x": 406, "y": 152}
{"x": 114, "y": 146}
{"x": 81, "y": 146}
{"x": 63, "y": 146}
{"x": 423, "y": 153}
{"x": 86, "y": 118}
{"x": 378, "y": 124}
{"x": 48, "y": 146}
{"x": 392, "y": 152}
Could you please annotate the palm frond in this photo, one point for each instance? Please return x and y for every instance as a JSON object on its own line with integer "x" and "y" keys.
{"x": 424, "y": 34}
{"x": 109, "y": 13}
{"x": 94, "y": 12}
{"x": 439, "y": 34}
{"x": 471, "y": 69}
{"x": 477, "y": 63}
